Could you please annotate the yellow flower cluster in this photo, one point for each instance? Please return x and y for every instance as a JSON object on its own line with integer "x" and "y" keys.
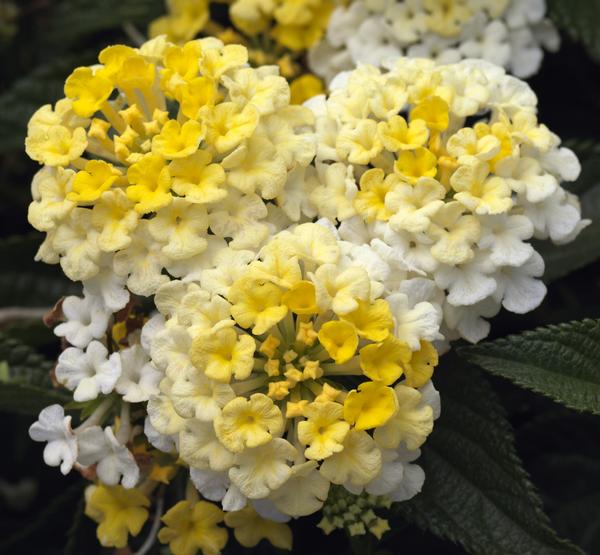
{"x": 277, "y": 32}
{"x": 189, "y": 525}
{"x": 160, "y": 153}
{"x": 291, "y": 378}
{"x": 183, "y": 21}
{"x": 293, "y": 24}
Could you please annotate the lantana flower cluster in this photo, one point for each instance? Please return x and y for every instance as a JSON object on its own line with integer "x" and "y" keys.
{"x": 266, "y": 287}
{"x": 444, "y": 175}
{"x": 157, "y": 157}
{"x": 509, "y": 33}
{"x": 294, "y": 376}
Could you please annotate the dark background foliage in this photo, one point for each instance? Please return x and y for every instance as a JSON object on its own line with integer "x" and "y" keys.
{"x": 41, "y": 511}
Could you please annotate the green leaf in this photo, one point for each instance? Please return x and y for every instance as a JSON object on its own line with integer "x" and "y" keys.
{"x": 561, "y": 260}
{"x": 25, "y": 282}
{"x": 561, "y": 362}
{"x": 52, "y": 510}
{"x": 476, "y": 492}
{"x": 25, "y": 366}
{"x": 28, "y": 400}
{"x": 579, "y": 18}
{"x": 71, "y": 20}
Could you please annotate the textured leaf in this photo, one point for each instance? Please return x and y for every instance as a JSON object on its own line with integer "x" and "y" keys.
{"x": 476, "y": 492}
{"x": 24, "y": 282}
{"x": 29, "y": 400}
{"x": 25, "y": 366}
{"x": 561, "y": 260}
{"x": 71, "y": 20}
{"x": 562, "y": 362}
{"x": 51, "y": 511}
{"x": 579, "y": 18}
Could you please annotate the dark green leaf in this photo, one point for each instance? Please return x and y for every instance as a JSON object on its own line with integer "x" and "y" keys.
{"x": 28, "y": 399}
{"x": 562, "y": 362}
{"x": 579, "y": 18}
{"x": 53, "y": 508}
{"x": 561, "y": 260}
{"x": 25, "y": 366}
{"x": 81, "y": 537}
{"x": 25, "y": 282}
{"x": 476, "y": 492}
{"x": 72, "y": 20}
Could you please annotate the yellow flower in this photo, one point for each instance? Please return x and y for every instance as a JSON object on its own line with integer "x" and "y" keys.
{"x": 249, "y": 528}
{"x": 49, "y": 188}
{"x": 434, "y": 111}
{"x": 115, "y": 219}
{"x": 411, "y": 423}
{"x": 414, "y": 164}
{"x": 304, "y": 87}
{"x": 256, "y": 304}
{"x": 88, "y": 90}
{"x": 194, "y": 96}
{"x": 97, "y": 177}
{"x": 372, "y": 321}
{"x": 151, "y": 183}
{"x": 246, "y": 423}
{"x": 196, "y": 179}
{"x": 181, "y": 66}
{"x": 118, "y": 511}
{"x": 50, "y": 140}
{"x": 216, "y": 61}
{"x": 324, "y": 429}
{"x": 228, "y": 125}
{"x": 339, "y": 339}
{"x": 186, "y": 18}
{"x": 479, "y": 192}
{"x": 419, "y": 369}
{"x": 356, "y": 464}
{"x": 224, "y": 354}
{"x": 178, "y": 141}
{"x": 454, "y": 233}
{"x": 386, "y": 361}
{"x": 181, "y": 228}
{"x": 397, "y": 135}
{"x": 190, "y": 527}
{"x": 370, "y": 199}
{"x": 359, "y": 143}
{"x": 341, "y": 291}
{"x": 301, "y": 298}
{"x": 371, "y": 406}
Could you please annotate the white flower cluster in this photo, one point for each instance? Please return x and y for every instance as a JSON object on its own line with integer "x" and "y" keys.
{"x": 439, "y": 175}
{"x": 88, "y": 370}
{"x": 510, "y": 33}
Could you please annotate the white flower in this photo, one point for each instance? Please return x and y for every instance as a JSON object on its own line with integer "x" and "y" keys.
{"x": 304, "y": 493}
{"x": 414, "y": 323}
{"x": 216, "y": 486}
{"x": 467, "y": 283}
{"x": 114, "y": 462}
{"x": 162, "y": 442}
{"x": 88, "y": 373}
{"x": 139, "y": 378}
{"x": 517, "y": 288}
{"x": 86, "y": 319}
{"x": 54, "y": 427}
{"x": 108, "y": 287}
